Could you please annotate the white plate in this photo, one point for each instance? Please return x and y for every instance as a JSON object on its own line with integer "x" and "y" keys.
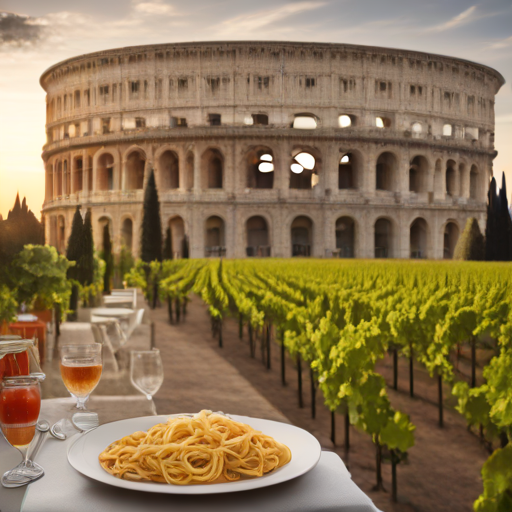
{"x": 83, "y": 456}
{"x": 27, "y": 318}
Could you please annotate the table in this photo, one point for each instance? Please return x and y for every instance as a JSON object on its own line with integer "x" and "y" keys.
{"x": 327, "y": 488}
{"x": 109, "y": 408}
{"x": 29, "y": 330}
{"x": 112, "y": 312}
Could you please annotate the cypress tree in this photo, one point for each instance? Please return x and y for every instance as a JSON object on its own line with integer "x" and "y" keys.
{"x": 73, "y": 253}
{"x": 168, "y": 249}
{"x": 107, "y": 256}
{"x": 505, "y": 224}
{"x": 491, "y": 234}
{"x": 471, "y": 244}
{"x": 86, "y": 265}
{"x": 151, "y": 239}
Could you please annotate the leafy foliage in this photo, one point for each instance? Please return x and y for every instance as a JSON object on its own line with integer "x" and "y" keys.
{"x": 471, "y": 244}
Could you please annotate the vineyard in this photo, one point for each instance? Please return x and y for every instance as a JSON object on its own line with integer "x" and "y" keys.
{"x": 337, "y": 319}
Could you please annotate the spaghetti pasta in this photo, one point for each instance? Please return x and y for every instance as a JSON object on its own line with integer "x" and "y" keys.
{"x": 206, "y": 448}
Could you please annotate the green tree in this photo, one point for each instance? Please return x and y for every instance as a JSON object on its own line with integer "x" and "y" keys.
{"x": 471, "y": 244}
{"x": 74, "y": 253}
{"x": 107, "y": 256}
{"x": 151, "y": 239}
{"x": 184, "y": 248}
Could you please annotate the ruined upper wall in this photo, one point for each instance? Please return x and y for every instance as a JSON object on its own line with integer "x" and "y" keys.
{"x": 276, "y": 78}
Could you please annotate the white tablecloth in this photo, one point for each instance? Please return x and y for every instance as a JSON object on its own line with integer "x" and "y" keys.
{"x": 327, "y": 488}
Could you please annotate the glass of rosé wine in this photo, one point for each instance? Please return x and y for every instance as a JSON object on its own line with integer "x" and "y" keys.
{"x": 20, "y": 403}
{"x": 80, "y": 368}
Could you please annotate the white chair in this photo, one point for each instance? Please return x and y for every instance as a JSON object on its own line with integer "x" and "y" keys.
{"x": 101, "y": 336}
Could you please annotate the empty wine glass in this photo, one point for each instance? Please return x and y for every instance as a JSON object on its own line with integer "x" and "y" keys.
{"x": 146, "y": 371}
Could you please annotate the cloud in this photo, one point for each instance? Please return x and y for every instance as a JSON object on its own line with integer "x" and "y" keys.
{"x": 503, "y": 43}
{"x": 260, "y": 19}
{"x": 470, "y": 15}
{"x": 154, "y": 8}
{"x": 18, "y": 30}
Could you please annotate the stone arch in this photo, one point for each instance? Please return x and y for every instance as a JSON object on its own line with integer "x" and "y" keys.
{"x": 473, "y": 182}
{"x": 59, "y": 178}
{"x": 257, "y": 236}
{"x": 215, "y": 236}
{"x": 253, "y": 161}
{"x": 451, "y": 178}
{"x": 49, "y": 182}
{"x": 418, "y": 174}
{"x": 134, "y": 169}
{"x": 66, "y": 178}
{"x": 212, "y": 169}
{"x": 345, "y": 237}
{"x": 189, "y": 171}
{"x": 78, "y": 173}
{"x": 127, "y": 233}
{"x": 451, "y": 234}
{"x": 385, "y": 171}
{"x": 418, "y": 239}
{"x": 307, "y": 178}
{"x": 169, "y": 170}
{"x": 177, "y": 227}
{"x": 350, "y": 167}
{"x": 439, "y": 185}
{"x": 301, "y": 232}
{"x": 105, "y": 166}
{"x": 384, "y": 238}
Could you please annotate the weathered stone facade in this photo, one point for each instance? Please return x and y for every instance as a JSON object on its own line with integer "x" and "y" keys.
{"x": 403, "y": 144}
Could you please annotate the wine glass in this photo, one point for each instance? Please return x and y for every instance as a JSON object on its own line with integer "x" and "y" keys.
{"x": 20, "y": 403}
{"x": 80, "y": 368}
{"x": 146, "y": 371}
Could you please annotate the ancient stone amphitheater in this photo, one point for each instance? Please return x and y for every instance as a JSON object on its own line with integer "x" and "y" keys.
{"x": 272, "y": 148}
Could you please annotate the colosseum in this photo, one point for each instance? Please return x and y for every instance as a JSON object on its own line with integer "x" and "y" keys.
{"x": 272, "y": 148}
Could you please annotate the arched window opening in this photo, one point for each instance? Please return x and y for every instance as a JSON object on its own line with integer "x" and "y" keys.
{"x": 447, "y": 130}
{"x": 473, "y": 182}
{"x": 79, "y": 175}
{"x": 257, "y": 237}
{"x": 382, "y": 122}
{"x": 59, "y": 179}
{"x": 345, "y": 120}
{"x": 214, "y": 238}
{"x": 177, "y": 227}
{"x": 189, "y": 171}
{"x": 418, "y": 239}
{"x": 416, "y": 128}
{"x": 212, "y": 169}
{"x": 385, "y": 172}
{"x": 260, "y": 168}
{"x": 383, "y": 239}
{"x": 450, "y": 178}
{"x": 451, "y": 236}
{"x": 61, "y": 235}
{"x": 127, "y": 234}
{"x": 302, "y": 236}
{"x": 418, "y": 174}
{"x": 303, "y": 170}
{"x": 135, "y": 165}
{"x": 67, "y": 178}
{"x": 345, "y": 237}
{"x": 105, "y": 172}
{"x": 347, "y": 171}
{"x": 305, "y": 122}
{"x": 169, "y": 170}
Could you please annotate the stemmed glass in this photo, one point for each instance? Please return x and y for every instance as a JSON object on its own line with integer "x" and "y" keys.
{"x": 146, "y": 371}
{"x": 20, "y": 403}
{"x": 80, "y": 368}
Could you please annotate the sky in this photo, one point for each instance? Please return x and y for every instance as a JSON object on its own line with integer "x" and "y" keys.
{"x": 35, "y": 34}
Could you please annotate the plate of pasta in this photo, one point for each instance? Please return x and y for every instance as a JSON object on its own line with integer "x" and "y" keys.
{"x": 203, "y": 453}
